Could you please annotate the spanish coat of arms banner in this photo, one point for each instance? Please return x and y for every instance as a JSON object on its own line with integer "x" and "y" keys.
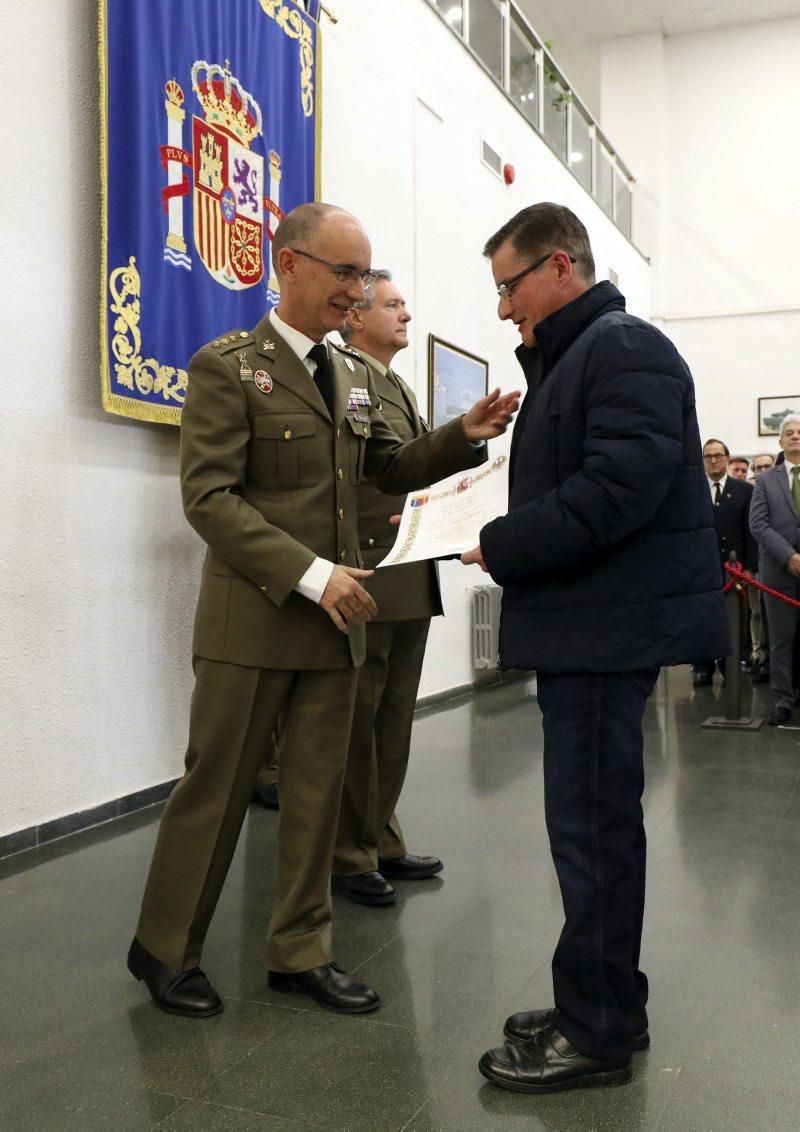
{"x": 210, "y": 132}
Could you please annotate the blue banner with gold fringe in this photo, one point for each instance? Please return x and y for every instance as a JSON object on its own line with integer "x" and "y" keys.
{"x": 210, "y": 132}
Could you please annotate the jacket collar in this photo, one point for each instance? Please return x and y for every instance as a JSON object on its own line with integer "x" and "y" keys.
{"x": 559, "y": 330}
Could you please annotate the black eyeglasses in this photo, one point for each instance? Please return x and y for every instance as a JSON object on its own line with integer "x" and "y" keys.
{"x": 344, "y": 272}
{"x": 505, "y": 290}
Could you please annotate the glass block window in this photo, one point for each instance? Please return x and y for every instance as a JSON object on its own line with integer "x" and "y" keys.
{"x": 486, "y": 34}
{"x": 622, "y": 203}
{"x": 604, "y": 189}
{"x": 453, "y": 12}
{"x": 523, "y": 72}
{"x": 579, "y": 158}
{"x": 556, "y": 101}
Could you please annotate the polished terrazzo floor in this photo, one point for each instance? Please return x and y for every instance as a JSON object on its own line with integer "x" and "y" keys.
{"x": 81, "y": 1047}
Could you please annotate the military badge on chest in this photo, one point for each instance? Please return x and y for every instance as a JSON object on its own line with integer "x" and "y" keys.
{"x": 357, "y": 398}
{"x": 263, "y": 381}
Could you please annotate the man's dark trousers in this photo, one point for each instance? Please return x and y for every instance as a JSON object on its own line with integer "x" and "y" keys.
{"x": 594, "y": 778}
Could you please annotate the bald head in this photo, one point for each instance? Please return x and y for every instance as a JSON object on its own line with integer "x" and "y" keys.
{"x": 300, "y": 227}
{"x": 321, "y": 255}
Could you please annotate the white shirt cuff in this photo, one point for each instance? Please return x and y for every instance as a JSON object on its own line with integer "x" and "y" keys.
{"x": 313, "y": 582}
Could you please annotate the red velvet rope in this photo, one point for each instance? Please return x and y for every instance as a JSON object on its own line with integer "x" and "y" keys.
{"x": 738, "y": 576}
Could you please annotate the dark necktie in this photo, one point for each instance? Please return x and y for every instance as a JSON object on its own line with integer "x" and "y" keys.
{"x": 323, "y": 375}
{"x": 717, "y": 495}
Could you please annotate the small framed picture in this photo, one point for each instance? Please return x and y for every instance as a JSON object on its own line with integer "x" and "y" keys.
{"x": 772, "y": 410}
{"x": 456, "y": 380}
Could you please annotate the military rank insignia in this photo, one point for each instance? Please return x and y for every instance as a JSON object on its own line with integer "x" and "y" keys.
{"x": 245, "y": 373}
{"x": 358, "y": 399}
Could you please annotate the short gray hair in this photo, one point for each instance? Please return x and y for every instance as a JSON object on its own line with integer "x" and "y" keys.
{"x": 365, "y": 304}
{"x": 791, "y": 418}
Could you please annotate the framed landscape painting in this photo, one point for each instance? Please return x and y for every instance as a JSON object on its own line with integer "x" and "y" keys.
{"x": 772, "y": 410}
{"x": 456, "y": 379}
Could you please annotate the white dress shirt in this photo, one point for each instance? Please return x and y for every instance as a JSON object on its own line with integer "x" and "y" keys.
{"x": 713, "y": 483}
{"x": 789, "y": 465}
{"x": 313, "y": 582}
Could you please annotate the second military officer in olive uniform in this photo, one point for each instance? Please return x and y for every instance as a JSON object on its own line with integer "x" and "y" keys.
{"x": 277, "y": 432}
{"x": 370, "y": 845}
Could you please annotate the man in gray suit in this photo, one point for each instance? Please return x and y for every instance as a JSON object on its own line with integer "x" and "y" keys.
{"x": 775, "y": 524}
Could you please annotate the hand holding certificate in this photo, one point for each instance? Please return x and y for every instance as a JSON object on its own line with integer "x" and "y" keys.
{"x": 446, "y": 518}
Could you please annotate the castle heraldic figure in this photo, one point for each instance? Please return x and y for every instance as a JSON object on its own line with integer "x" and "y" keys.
{"x": 370, "y": 847}
{"x": 278, "y": 429}
{"x": 610, "y": 570}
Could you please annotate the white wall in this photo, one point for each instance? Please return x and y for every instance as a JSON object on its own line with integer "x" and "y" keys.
{"x": 98, "y": 569}
{"x": 713, "y": 144}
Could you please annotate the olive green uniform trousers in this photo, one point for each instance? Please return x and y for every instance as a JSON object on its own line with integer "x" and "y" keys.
{"x": 235, "y": 710}
{"x": 380, "y": 740}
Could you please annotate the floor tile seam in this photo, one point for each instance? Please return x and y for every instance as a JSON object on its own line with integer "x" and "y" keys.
{"x": 304, "y": 1011}
{"x": 369, "y": 958}
{"x": 248, "y": 1052}
{"x": 414, "y": 1115}
{"x": 255, "y": 1112}
{"x": 164, "y": 1119}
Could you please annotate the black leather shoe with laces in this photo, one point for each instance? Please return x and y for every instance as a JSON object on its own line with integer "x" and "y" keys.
{"x": 529, "y": 1024}
{"x": 266, "y": 796}
{"x": 549, "y": 1065}
{"x": 188, "y": 993}
{"x": 410, "y": 867}
{"x": 779, "y": 716}
{"x": 329, "y": 986}
{"x": 365, "y": 888}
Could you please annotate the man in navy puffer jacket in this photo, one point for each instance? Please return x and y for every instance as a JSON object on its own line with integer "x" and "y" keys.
{"x": 609, "y": 565}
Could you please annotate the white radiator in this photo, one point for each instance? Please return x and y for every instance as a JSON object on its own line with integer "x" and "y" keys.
{"x": 485, "y": 625}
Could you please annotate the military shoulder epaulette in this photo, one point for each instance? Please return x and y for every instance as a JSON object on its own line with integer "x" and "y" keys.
{"x": 235, "y": 338}
{"x": 345, "y": 349}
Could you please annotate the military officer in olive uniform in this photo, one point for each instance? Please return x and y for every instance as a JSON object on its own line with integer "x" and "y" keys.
{"x": 277, "y": 431}
{"x": 370, "y": 845}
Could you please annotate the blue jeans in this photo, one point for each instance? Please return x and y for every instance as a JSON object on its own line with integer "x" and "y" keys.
{"x": 593, "y": 781}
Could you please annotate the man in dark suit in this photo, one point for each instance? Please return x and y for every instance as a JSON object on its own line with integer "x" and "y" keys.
{"x": 775, "y": 523}
{"x": 609, "y": 568}
{"x": 731, "y": 500}
{"x": 278, "y": 429}
{"x": 370, "y": 846}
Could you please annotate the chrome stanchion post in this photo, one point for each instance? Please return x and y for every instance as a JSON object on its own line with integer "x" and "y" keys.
{"x": 733, "y": 720}
{"x": 733, "y": 669}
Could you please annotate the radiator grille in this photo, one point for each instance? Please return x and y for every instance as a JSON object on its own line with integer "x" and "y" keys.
{"x": 485, "y": 625}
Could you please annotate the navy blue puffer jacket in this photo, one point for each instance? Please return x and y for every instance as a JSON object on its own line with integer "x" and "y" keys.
{"x": 607, "y": 556}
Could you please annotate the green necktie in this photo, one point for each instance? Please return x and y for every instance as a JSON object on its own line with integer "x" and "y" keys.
{"x": 796, "y": 487}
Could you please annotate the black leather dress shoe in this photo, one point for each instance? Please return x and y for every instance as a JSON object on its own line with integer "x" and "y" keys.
{"x": 365, "y": 888}
{"x": 330, "y": 987}
{"x": 410, "y": 867}
{"x": 529, "y": 1024}
{"x": 701, "y": 680}
{"x": 779, "y": 716}
{"x": 548, "y": 1066}
{"x": 188, "y": 993}
{"x": 266, "y": 796}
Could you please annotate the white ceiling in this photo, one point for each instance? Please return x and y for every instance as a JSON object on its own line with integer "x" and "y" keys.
{"x": 577, "y": 27}
{"x": 607, "y": 19}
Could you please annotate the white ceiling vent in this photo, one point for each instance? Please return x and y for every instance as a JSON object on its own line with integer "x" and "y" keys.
{"x": 491, "y": 159}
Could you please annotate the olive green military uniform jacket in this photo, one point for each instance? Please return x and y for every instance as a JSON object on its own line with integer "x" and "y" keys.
{"x": 410, "y": 591}
{"x": 270, "y": 481}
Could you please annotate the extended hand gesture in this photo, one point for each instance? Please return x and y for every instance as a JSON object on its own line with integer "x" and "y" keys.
{"x": 490, "y": 416}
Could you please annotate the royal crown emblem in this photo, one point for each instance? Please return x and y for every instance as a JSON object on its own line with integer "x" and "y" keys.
{"x": 229, "y": 205}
